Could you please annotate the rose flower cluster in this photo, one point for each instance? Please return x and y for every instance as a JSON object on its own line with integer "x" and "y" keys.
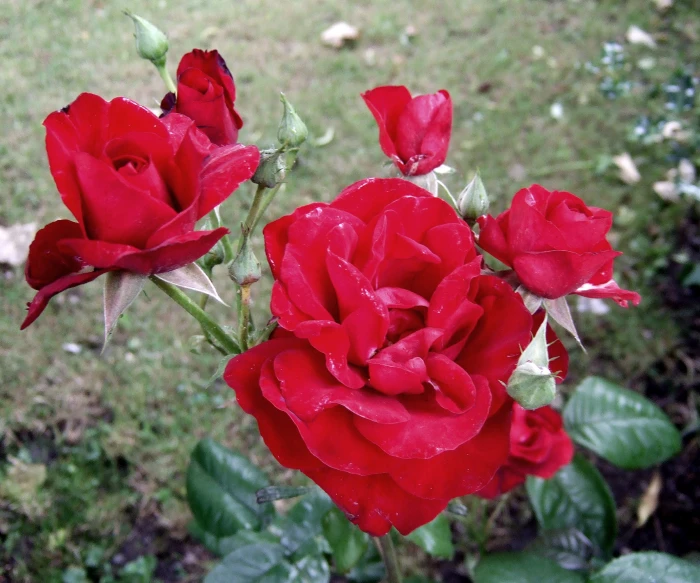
{"x": 386, "y": 380}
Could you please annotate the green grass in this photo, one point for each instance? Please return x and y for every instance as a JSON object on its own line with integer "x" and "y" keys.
{"x": 115, "y": 430}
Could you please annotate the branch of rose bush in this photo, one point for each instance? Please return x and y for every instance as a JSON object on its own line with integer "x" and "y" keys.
{"x": 388, "y": 551}
{"x": 224, "y": 343}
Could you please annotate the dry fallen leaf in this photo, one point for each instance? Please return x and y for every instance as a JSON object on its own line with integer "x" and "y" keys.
{"x": 14, "y": 243}
{"x": 637, "y": 36}
{"x": 339, "y": 34}
{"x": 650, "y": 500}
{"x": 663, "y": 4}
{"x": 686, "y": 171}
{"x": 628, "y": 169}
{"x": 666, "y": 190}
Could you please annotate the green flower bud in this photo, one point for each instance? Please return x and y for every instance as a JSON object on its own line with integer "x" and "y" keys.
{"x": 426, "y": 181}
{"x": 532, "y": 384}
{"x": 473, "y": 202}
{"x": 151, "y": 42}
{"x": 245, "y": 268}
{"x": 292, "y": 131}
{"x": 271, "y": 170}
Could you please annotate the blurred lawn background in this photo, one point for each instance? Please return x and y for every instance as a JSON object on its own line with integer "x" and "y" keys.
{"x": 93, "y": 446}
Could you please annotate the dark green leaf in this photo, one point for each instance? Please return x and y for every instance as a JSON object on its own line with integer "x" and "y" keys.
{"x": 569, "y": 548}
{"x": 313, "y": 569}
{"x": 258, "y": 557}
{"x": 221, "y": 487}
{"x": 435, "y": 538}
{"x": 370, "y": 569}
{"x": 223, "y": 546}
{"x": 648, "y": 568}
{"x": 303, "y": 521}
{"x": 577, "y": 496}
{"x": 272, "y": 493}
{"x": 254, "y": 563}
{"x": 348, "y": 543}
{"x": 522, "y": 568}
{"x": 620, "y": 425}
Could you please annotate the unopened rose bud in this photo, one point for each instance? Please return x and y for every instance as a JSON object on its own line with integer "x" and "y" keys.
{"x": 292, "y": 131}
{"x": 532, "y": 384}
{"x": 271, "y": 170}
{"x": 427, "y": 181}
{"x": 473, "y": 202}
{"x": 245, "y": 268}
{"x": 151, "y": 42}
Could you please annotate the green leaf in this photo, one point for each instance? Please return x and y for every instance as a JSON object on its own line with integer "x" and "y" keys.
{"x": 435, "y": 538}
{"x": 620, "y": 425}
{"x": 259, "y": 557}
{"x": 648, "y": 568}
{"x": 254, "y": 563}
{"x": 577, "y": 496}
{"x": 370, "y": 569}
{"x": 303, "y": 521}
{"x": 348, "y": 543}
{"x": 569, "y": 548}
{"x": 522, "y": 568}
{"x": 221, "y": 487}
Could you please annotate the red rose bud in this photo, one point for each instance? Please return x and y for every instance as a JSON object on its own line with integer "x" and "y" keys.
{"x": 556, "y": 244}
{"x": 539, "y": 446}
{"x": 206, "y": 93}
{"x": 384, "y": 382}
{"x": 136, "y": 186}
{"x": 413, "y": 132}
{"x": 151, "y": 42}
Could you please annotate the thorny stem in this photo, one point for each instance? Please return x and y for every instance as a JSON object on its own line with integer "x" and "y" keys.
{"x": 224, "y": 343}
{"x": 386, "y": 545}
{"x": 244, "y": 319}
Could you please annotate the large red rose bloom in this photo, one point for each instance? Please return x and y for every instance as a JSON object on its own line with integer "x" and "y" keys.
{"x": 556, "y": 244}
{"x": 136, "y": 186}
{"x": 385, "y": 387}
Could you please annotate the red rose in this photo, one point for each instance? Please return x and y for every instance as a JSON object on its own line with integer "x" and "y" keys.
{"x": 413, "y": 132}
{"x": 556, "y": 245}
{"x": 539, "y": 446}
{"x": 206, "y": 93}
{"x": 385, "y": 386}
{"x": 136, "y": 186}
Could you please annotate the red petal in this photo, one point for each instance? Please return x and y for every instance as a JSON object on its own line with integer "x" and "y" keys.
{"x": 367, "y": 198}
{"x": 46, "y": 263}
{"x": 609, "y": 290}
{"x": 376, "y": 503}
{"x": 168, "y": 256}
{"x": 431, "y": 430}
{"x": 41, "y": 299}
{"x": 224, "y": 170}
{"x": 277, "y": 430}
{"x": 493, "y": 237}
{"x": 552, "y": 274}
{"x": 114, "y": 210}
{"x": 387, "y": 104}
{"x": 461, "y": 471}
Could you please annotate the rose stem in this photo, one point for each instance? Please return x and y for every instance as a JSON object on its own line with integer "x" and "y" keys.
{"x": 226, "y": 344}
{"x": 244, "y": 318}
{"x": 167, "y": 79}
{"x": 386, "y": 545}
